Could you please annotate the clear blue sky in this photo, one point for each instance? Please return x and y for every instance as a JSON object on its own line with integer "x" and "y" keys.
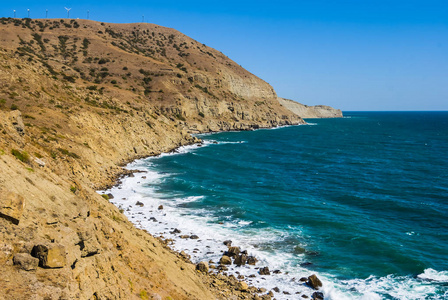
{"x": 353, "y": 55}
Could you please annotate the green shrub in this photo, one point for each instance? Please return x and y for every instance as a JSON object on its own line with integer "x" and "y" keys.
{"x": 105, "y": 196}
{"x": 14, "y": 107}
{"x": 73, "y": 189}
{"x": 68, "y": 153}
{"x": 22, "y": 156}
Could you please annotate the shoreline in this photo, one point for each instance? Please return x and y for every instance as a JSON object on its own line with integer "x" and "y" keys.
{"x": 175, "y": 236}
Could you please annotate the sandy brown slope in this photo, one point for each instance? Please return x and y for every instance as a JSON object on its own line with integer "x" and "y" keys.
{"x": 77, "y": 100}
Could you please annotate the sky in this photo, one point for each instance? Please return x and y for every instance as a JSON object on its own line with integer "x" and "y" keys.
{"x": 356, "y": 55}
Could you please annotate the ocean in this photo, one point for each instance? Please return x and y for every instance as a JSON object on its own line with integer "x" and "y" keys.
{"x": 360, "y": 201}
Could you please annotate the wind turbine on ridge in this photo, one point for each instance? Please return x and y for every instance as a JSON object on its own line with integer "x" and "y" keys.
{"x": 68, "y": 12}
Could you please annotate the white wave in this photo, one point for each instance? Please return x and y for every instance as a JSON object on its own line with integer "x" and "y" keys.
{"x": 433, "y": 275}
{"x": 258, "y": 242}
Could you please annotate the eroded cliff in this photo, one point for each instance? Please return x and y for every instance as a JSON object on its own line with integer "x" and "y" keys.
{"x": 77, "y": 100}
{"x": 310, "y": 112}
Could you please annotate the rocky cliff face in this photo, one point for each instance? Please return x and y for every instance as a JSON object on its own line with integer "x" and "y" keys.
{"x": 305, "y": 111}
{"x": 77, "y": 100}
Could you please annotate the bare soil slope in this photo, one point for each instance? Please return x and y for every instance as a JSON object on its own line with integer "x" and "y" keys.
{"x": 77, "y": 100}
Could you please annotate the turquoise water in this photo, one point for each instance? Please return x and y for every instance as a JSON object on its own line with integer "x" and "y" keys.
{"x": 362, "y": 200}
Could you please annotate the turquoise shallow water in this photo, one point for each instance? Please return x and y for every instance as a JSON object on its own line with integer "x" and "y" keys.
{"x": 362, "y": 199}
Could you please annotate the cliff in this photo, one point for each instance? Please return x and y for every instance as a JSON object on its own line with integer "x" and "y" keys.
{"x": 78, "y": 99}
{"x": 310, "y": 112}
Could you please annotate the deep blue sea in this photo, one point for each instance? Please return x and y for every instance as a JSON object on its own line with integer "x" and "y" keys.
{"x": 361, "y": 201}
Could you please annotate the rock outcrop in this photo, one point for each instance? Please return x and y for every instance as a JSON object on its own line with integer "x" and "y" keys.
{"x": 310, "y": 112}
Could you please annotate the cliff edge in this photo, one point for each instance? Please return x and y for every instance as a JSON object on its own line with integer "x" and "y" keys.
{"x": 310, "y": 112}
{"x": 78, "y": 99}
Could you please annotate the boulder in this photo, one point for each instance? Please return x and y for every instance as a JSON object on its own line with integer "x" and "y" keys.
{"x": 194, "y": 237}
{"x": 11, "y": 206}
{"x": 138, "y": 203}
{"x": 251, "y": 260}
{"x": 25, "y": 261}
{"x": 160, "y": 207}
{"x": 314, "y": 282}
{"x": 50, "y": 256}
{"x": 228, "y": 243}
{"x": 317, "y": 296}
{"x": 202, "y": 266}
{"x": 240, "y": 260}
{"x": 233, "y": 251}
{"x": 242, "y": 286}
{"x": 264, "y": 271}
{"x": 225, "y": 260}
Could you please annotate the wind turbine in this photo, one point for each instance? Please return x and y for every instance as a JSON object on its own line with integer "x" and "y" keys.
{"x": 143, "y": 19}
{"x": 46, "y": 14}
{"x": 28, "y": 13}
{"x": 88, "y": 13}
{"x": 68, "y": 12}
{"x": 14, "y": 13}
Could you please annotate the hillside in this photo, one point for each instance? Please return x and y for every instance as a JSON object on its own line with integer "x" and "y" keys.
{"x": 78, "y": 99}
{"x": 310, "y": 112}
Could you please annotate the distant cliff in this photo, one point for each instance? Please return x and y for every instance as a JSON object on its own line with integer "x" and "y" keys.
{"x": 309, "y": 112}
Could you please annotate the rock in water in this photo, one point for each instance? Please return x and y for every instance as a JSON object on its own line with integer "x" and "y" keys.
{"x": 202, "y": 266}
{"x": 240, "y": 260}
{"x": 11, "y": 206}
{"x": 251, "y": 260}
{"x": 228, "y": 243}
{"x": 225, "y": 260}
{"x": 233, "y": 251}
{"x": 264, "y": 271}
{"x": 50, "y": 256}
{"x": 314, "y": 282}
{"x": 317, "y": 296}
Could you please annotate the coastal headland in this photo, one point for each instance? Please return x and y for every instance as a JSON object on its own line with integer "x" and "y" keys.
{"x": 78, "y": 100}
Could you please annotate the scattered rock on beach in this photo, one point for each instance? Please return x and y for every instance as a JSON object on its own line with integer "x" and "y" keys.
{"x": 160, "y": 207}
{"x": 233, "y": 251}
{"x": 317, "y": 296}
{"x": 251, "y": 260}
{"x": 228, "y": 243}
{"x": 314, "y": 282}
{"x": 240, "y": 260}
{"x": 138, "y": 203}
{"x": 264, "y": 271}
{"x": 225, "y": 260}
{"x": 194, "y": 237}
{"x": 175, "y": 231}
{"x": 242, "y": 286}
{"x": 202, "y": 266}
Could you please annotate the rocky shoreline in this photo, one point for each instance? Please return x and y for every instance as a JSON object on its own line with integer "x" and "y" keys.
{"x": 78, "y": 100}
{"x": 223, "y": 268}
